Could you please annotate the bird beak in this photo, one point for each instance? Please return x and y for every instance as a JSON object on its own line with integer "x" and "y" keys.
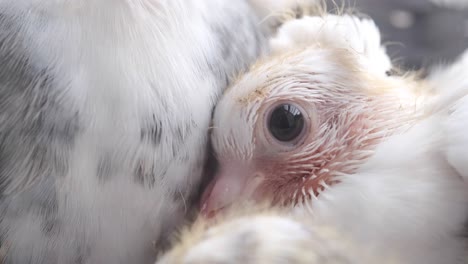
{"x": 230, "y": 184}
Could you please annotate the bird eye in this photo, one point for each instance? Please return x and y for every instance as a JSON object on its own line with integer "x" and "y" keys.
{"x": 286, "y": 122}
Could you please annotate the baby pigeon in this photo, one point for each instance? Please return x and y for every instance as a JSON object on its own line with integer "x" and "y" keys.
{"x": 324, "y": 128}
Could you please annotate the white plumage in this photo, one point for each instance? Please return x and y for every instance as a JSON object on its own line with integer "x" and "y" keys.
{"x": 382, "y": 159}
{"x": 104, "y": 113}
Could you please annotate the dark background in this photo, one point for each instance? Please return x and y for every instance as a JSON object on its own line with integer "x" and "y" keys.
{"x": 419, "y": 32}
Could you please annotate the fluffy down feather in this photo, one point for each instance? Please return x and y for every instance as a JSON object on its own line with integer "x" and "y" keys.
{"x": 381, "y": 158}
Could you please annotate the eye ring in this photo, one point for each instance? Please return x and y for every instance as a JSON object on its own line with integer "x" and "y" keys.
{"x": 286, "y": 123}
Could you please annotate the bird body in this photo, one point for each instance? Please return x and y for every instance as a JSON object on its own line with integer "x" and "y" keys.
{"x": 104, "y": 112}
{"x": 322, "y": 129}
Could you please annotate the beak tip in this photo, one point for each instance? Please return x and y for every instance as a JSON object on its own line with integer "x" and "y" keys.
{"x": 207, "y": 212}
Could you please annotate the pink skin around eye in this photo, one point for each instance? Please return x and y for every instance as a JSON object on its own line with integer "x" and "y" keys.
{"x": 285, "y": 178}
{"x": 289, "y": 174}
{"x": 237, "y": 183}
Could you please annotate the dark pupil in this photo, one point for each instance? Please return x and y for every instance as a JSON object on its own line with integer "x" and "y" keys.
{"x": 286, "y": 122}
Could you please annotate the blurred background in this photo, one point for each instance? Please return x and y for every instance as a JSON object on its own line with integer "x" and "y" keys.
{"x": 420, "y": 32}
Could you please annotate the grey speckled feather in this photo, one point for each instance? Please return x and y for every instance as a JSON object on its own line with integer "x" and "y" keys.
{"x": 104, "y": 112}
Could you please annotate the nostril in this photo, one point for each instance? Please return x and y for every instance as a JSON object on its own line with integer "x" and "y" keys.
{"x": 258, "y": 175}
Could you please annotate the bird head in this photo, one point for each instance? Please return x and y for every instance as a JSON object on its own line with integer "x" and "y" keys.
{"x": 300, "y": 120}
